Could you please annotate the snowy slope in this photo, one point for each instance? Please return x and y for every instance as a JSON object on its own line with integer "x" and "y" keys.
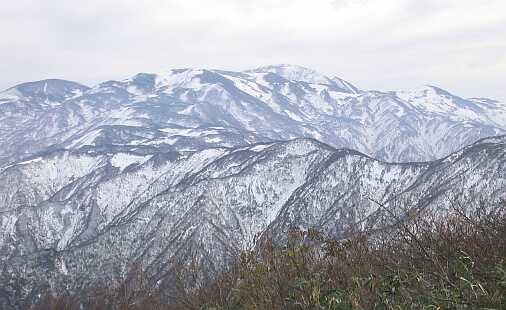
{"x": 237, "y": 108}
{"x": 96, "y": 211}
{"x": 196, "y": 163}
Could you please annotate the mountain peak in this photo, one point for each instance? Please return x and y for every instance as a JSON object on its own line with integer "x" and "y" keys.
{"x": 50, "y": 88}
{"x": 303, "y": 74}
{"x": 294, "y": 73}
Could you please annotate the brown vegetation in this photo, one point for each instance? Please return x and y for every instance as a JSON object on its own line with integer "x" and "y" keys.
{"x": 429, "y": 261}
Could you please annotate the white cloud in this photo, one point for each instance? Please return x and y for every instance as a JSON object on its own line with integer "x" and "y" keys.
{"x": 387, "y": 44}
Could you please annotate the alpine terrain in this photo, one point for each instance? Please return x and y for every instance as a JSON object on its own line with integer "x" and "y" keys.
{"x": 198, "y": 165}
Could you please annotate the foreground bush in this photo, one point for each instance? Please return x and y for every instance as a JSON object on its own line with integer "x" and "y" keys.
{"x": 426, "y": 261}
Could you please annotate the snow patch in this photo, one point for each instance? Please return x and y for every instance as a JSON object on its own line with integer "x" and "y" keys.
{"x": 123, "y": 160}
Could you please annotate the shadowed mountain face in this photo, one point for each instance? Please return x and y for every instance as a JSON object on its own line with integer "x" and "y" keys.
{"x": 193, "y": 109}
{"x": 188, "y": 164}
{"x": 83, "y": 216}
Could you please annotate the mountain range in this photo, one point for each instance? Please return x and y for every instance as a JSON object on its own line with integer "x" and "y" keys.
{"x": 198, "y": 165}
{"x": 193, "y": 109}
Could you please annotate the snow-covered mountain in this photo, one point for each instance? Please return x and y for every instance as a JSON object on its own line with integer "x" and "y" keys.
{"x": 162, "y": 168}
{"x": 82, "y": 216}
{"x": 193, "y": 109}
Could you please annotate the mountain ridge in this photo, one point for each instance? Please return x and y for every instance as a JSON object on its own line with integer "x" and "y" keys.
{"x": 81, "y": 209}
{"x": 197, "y": 165}
{"x": 249, "y": 106}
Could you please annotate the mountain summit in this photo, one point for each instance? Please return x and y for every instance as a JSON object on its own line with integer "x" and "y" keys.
{"x": 192, "y": 109}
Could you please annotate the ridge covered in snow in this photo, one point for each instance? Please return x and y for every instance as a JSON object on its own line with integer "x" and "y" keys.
{"x": 97, "y": 211}
{"x": 265, "y": 104}
{"x": 193, "y": 164}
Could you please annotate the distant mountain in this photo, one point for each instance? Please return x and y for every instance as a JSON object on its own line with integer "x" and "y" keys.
{"x": 80, "y": 217}
{"x": 193, "y": 109}
{"x": 160, "y": 169}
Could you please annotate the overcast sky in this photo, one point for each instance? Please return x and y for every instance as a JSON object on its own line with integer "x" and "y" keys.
{"x": 376, "y": 44}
